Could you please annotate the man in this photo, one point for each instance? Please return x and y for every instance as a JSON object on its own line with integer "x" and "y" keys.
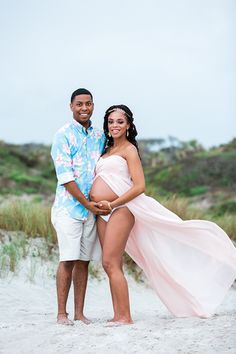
{"x": 75, "y": 150}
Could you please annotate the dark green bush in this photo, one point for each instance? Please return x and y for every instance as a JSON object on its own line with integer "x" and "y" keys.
{"x": 221, "y": 209}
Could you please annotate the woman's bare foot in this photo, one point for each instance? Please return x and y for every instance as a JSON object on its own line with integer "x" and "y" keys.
{"x": 62, "y": 319}
{"x": 83, "y": 319}
{"x": 111, "y": 320}
{"x": 119, "y": 322}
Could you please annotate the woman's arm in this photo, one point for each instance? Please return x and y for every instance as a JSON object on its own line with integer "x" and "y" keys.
{"x": 137, "y": 175}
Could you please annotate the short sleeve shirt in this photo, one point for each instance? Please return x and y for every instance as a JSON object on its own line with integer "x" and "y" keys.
{"x": 75, "y": 152}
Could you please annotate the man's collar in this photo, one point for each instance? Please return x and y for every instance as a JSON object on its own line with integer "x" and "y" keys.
{"x": 80, "y": 127}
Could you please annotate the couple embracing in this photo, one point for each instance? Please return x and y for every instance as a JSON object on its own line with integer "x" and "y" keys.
{"x": 100, "y": 210}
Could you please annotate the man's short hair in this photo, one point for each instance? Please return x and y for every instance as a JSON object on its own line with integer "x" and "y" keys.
{"x": 80, "y": 91}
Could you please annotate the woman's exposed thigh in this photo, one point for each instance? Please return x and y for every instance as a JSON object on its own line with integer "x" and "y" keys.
{"x": 117, "y": 231}
{"x": 101, "y": 228}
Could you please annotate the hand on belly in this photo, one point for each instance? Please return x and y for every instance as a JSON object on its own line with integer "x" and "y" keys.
{"x": 101, "y": 191}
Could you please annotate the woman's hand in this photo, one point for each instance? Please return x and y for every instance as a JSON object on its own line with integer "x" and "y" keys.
{"x": 95, "y": 209}
{"x": 104, "y": 205}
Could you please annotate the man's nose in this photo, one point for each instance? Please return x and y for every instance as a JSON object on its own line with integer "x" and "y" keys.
{"x": 84, "y": 108}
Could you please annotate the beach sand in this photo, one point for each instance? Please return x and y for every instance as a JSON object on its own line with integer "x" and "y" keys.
{"x": 28, "y": 326}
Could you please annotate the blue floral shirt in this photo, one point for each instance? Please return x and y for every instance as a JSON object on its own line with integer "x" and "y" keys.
{"x": 75, "y": 153}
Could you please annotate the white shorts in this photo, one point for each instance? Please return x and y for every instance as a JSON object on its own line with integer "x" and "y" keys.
{"x": 77, "y": 240}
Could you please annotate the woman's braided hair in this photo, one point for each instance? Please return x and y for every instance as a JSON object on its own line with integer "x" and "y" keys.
{"x": 132, "y": 132}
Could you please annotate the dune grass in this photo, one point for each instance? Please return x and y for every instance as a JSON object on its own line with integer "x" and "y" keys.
{"x": 12, "y": 250}
{"x": 228, "y": 224}
{"x": 34, "y": 218}
{"x": 10, "y": 254}
{"x": 35, "y": 253}
{"x": 180, "y": 206}
{"x": 31, "y": 218}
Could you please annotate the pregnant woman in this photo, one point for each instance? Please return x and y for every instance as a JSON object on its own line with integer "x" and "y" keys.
{"x": 190, "y": 264}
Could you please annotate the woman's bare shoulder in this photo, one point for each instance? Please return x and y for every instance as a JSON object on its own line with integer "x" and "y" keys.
{"x": 131, "y": 151}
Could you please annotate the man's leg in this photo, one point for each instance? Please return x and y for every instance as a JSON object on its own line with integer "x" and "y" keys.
{"x": 89, "y": 249}
{"x": 63, "y": 281}
{"x": 80, "y": 278}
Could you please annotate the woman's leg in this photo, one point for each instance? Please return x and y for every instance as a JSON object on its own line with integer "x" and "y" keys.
{"x": 101, "y": 226}
{"x": 114, "y": 241}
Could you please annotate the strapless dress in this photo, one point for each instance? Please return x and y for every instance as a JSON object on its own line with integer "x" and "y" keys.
{"x": 190, "y": 264}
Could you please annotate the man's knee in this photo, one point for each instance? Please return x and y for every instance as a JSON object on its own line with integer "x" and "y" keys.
{"x": 81, "y": 265}
{"x": 67, "y": 265}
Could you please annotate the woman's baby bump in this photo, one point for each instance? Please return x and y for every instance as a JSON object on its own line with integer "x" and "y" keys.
{"x": 101, "y": 191}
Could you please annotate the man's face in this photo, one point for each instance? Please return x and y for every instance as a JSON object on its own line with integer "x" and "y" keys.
{"x": 82, "y": 108}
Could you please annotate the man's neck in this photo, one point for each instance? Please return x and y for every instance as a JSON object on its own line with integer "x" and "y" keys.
{"x": 85, "y": 125}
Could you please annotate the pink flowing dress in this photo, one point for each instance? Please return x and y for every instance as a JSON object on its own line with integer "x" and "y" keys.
{"x": 190, "y": 264}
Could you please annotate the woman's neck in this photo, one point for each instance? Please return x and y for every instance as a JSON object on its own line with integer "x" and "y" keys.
{"x": 118, "y": 142}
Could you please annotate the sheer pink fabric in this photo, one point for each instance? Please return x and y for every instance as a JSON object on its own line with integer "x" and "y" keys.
{"x": 190, "y": 264}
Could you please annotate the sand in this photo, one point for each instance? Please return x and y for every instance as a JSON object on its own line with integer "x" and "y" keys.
{"x": 28, "y": 311}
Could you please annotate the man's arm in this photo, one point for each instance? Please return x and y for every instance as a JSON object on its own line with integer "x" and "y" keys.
{"x": 74, "y": 190}
{"x": 60, "y": 153}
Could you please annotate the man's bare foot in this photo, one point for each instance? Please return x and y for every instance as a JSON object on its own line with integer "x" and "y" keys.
{"x": 83, "y": 319}
{"x": 63, "y": 319}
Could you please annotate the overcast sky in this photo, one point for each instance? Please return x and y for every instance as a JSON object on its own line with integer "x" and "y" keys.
{"x": 172, "y": 62}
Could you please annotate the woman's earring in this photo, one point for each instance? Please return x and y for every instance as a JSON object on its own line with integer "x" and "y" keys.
{"x": 109, "y": 134}
{"x": 127, "y": 132}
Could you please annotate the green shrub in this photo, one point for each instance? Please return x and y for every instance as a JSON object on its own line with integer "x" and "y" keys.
{"x": 198, "y": 190}
{"x": 20, "y": 177}
{"x": 195, "y": 175}
{"x": 228, "y": 207}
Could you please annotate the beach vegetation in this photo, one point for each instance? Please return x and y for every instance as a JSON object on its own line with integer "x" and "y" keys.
{"x": 193, "y": 182}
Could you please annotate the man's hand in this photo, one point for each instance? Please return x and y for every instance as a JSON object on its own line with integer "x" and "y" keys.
{"x": 95, "y": 209}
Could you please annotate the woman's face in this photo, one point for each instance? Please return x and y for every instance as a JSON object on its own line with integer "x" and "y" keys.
{"x": 117, "y": 124}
